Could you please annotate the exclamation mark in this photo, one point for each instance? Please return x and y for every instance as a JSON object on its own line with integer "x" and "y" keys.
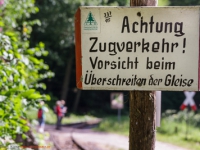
{"x": 184, "y": 44}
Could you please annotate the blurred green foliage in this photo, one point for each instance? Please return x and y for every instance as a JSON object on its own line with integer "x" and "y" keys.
{"x": 180, "y": 128}
{"x": 21, "y": 69}
{"x": 163, "y": 2}
{"x": 184, "y": 2}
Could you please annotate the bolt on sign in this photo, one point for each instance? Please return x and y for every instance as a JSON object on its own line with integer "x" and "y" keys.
{"x": 137, "y": 48}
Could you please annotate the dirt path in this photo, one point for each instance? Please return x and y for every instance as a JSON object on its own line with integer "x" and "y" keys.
{"x": 99, "y": 140}
{"x": 109, "y": 141}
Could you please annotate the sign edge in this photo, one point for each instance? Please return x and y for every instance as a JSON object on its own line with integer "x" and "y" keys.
{"x": 78, "y": 49}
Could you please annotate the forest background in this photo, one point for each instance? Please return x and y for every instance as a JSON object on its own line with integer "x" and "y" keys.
{"x": 57, "y": 32}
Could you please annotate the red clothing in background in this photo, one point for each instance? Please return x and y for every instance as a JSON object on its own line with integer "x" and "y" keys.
{"x": 58, "y": 111}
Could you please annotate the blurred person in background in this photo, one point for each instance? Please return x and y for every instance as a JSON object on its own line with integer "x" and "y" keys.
{"x": 58, "y": 114}
{"x": 41, "y": 116}
{"x": 63, "y": 109}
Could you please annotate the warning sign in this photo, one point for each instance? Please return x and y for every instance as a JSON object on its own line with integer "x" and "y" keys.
{"x": 137, "y": 48}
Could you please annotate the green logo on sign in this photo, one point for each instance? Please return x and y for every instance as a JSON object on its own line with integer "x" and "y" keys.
{"x": 90, "y": 23}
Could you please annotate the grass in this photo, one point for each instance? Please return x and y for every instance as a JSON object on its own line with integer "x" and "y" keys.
{"x": 113, "y": 125}
{"x": 169, "y": 132}
{"x": 163, "y": 2}
{"x": 180, "y": 134}
{"x": 51, "y": 117}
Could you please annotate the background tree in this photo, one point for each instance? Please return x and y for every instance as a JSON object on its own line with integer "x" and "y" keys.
{"x": 184, "y": 2}
{"x": 57, "y": 32}
{"x": 21, "y": 68}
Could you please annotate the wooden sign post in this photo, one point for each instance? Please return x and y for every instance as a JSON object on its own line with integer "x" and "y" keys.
{"x": 140, "y": 49}
{"x": 142, "y": 106}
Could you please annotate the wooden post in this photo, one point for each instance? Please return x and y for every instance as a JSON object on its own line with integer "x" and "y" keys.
{"x": 142, "y": 109}
{"x": 142, "y": 120}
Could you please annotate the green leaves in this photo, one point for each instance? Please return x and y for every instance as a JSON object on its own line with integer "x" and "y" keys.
{"x": 28, "y": 92}
{"x": 21, "y": 66}
{"x": 5, "y": 43}
{"x": 31, "y": 94}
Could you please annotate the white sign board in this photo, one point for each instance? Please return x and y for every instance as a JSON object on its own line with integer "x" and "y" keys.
{"x": 137, "y": 48}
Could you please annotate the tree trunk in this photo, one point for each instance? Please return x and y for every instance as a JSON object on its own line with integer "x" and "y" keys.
{"x": 77, "y": 100}
{"x": 65, "y": 86}
{"x": 142, "y": 109}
